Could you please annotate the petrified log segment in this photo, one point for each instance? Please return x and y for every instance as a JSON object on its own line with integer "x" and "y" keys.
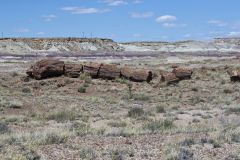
{"x": 234, "y": 74}
{"x": 136, "y": 75}
{"x": 169, "y": 78}
{"x": 109, "y": 71}
{"x": 53, "y": 68}
{"x": 73, "y": 70}
{"x": 46, "y": 68}
{"x": 182, "y": 73}
{"x": 92, "y": 69}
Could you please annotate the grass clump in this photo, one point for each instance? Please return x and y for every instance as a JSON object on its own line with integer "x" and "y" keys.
{"x": 15, "y": 104}
{"x": 135, "y": 112}
{"x": 117, "y": 124}
{"x": 4, "y": 128}
{"x": 160, "y": 109}
{"x": 82, "y": 129}
{"x": 141, "y": 97}
{"x": 85, "y": 77}
{"x": 120, "y": 154}
{"x": 233, "y": 110}
{"x": 37, "y": 138}
{"x": 61, "y": 116}
{"x": 14, "y": 74}
{"x": 82, "y": 89}
{"x": 235, "y": 137}
{"x": 159, "y": 125}
{"x": 227, "y": 91}
{"x": 53, "y": 138}
{"x": 26, "y": 90}
{"x": 87, "y": 154}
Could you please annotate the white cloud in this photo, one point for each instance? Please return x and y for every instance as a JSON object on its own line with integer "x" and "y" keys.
{"x": 115, "y": 2}
{"x": 234, "y": 34}
{"x": 173, "y": 25}
{"x": 169, "y": 25}
{"x": 218, "y": 23}
{"x": 137, "y": 1}
{"x": 23, "y": 30}
{"x": 141, "y": 15}
{"x": 49, "y": 17}
{"x": 169, "y": 21}
{"x": 81, "y": 10}
{"x": 166, "y": 18}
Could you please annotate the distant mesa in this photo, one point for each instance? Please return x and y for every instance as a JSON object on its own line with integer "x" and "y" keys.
{"x": 101, "y": 45}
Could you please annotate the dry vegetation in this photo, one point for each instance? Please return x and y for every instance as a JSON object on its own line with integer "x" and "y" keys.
{"x": 84, "y": 118}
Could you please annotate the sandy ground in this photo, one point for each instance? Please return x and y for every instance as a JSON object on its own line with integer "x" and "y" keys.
{"x": 51, "y": 119}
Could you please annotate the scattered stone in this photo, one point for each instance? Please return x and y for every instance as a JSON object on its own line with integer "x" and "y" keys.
{"x": 136, "y": 75}
{"x": 234, "y": 74}
{"x": 3, "y": 128}
{"x": 183, "y": 73}
{"x": 73, "y": 70}
{"x": 169, "y": 78}
{"x": 25, "y": 79}
{"x": 109, "y": 71}
{"x": 175, "y": 66}
{"x": 46, "y": 68}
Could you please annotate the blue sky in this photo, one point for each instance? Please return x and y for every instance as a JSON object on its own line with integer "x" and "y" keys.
{"x": 121, "y": 20}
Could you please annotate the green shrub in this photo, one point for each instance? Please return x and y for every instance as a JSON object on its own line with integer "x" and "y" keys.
{"x": 61, "y": 116}
{"x": 85, "y": 85}
{"x": 15, "y": 104}
{"x": 227, "y": 91}
{"x": 26, "y": 90}
{"x": 85, "y": 77}
{"x": 117, "y": 124}
{"x": 14, "y": 74}
{"x": 187, "y": 142}
{"x": 82, "y": 89}
{"x": 3, "y": 128}
{"x": 233, "y": 110}
{"x": 82, "y": 129}
{"x": 160, "y": 109}
{"x": 157, "y": 125}
{"x": 52, "y": 138}
{"x": 130, "y": 90}
{"x": 235, "y": 137}
{"x": 135, "y": 112}
{"x": 195, "y": 89}
{"x": 141, "y": 97}
{"x": 87, "y": 154}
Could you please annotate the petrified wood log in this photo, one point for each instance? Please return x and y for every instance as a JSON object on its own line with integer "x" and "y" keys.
{"x": 136, "y": 75}
{"x": 46, "y": 68}
{"x": 169, "y": 78}
{"x": 73, "y": 70}
{"x": 92, "y": 69}
{"x": 183, "y": 73}
{"x": 234, "y": 74}
{"x": 109, "y": 71}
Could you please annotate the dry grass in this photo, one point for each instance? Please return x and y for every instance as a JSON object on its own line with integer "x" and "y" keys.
{"x": 118, "y": 119}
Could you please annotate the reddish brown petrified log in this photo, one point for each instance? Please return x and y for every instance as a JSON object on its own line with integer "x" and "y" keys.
{"x": 137, "y": 75}
{"x": 234, "y": 74}
{"x": 169, "y": 78}
{"x": 92, "y": 69}
{"x": 46, "y": 68}
{"x": 73, "y": 70}
{"x": 183, "y": 73}
{"x": 109, "y": 71}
